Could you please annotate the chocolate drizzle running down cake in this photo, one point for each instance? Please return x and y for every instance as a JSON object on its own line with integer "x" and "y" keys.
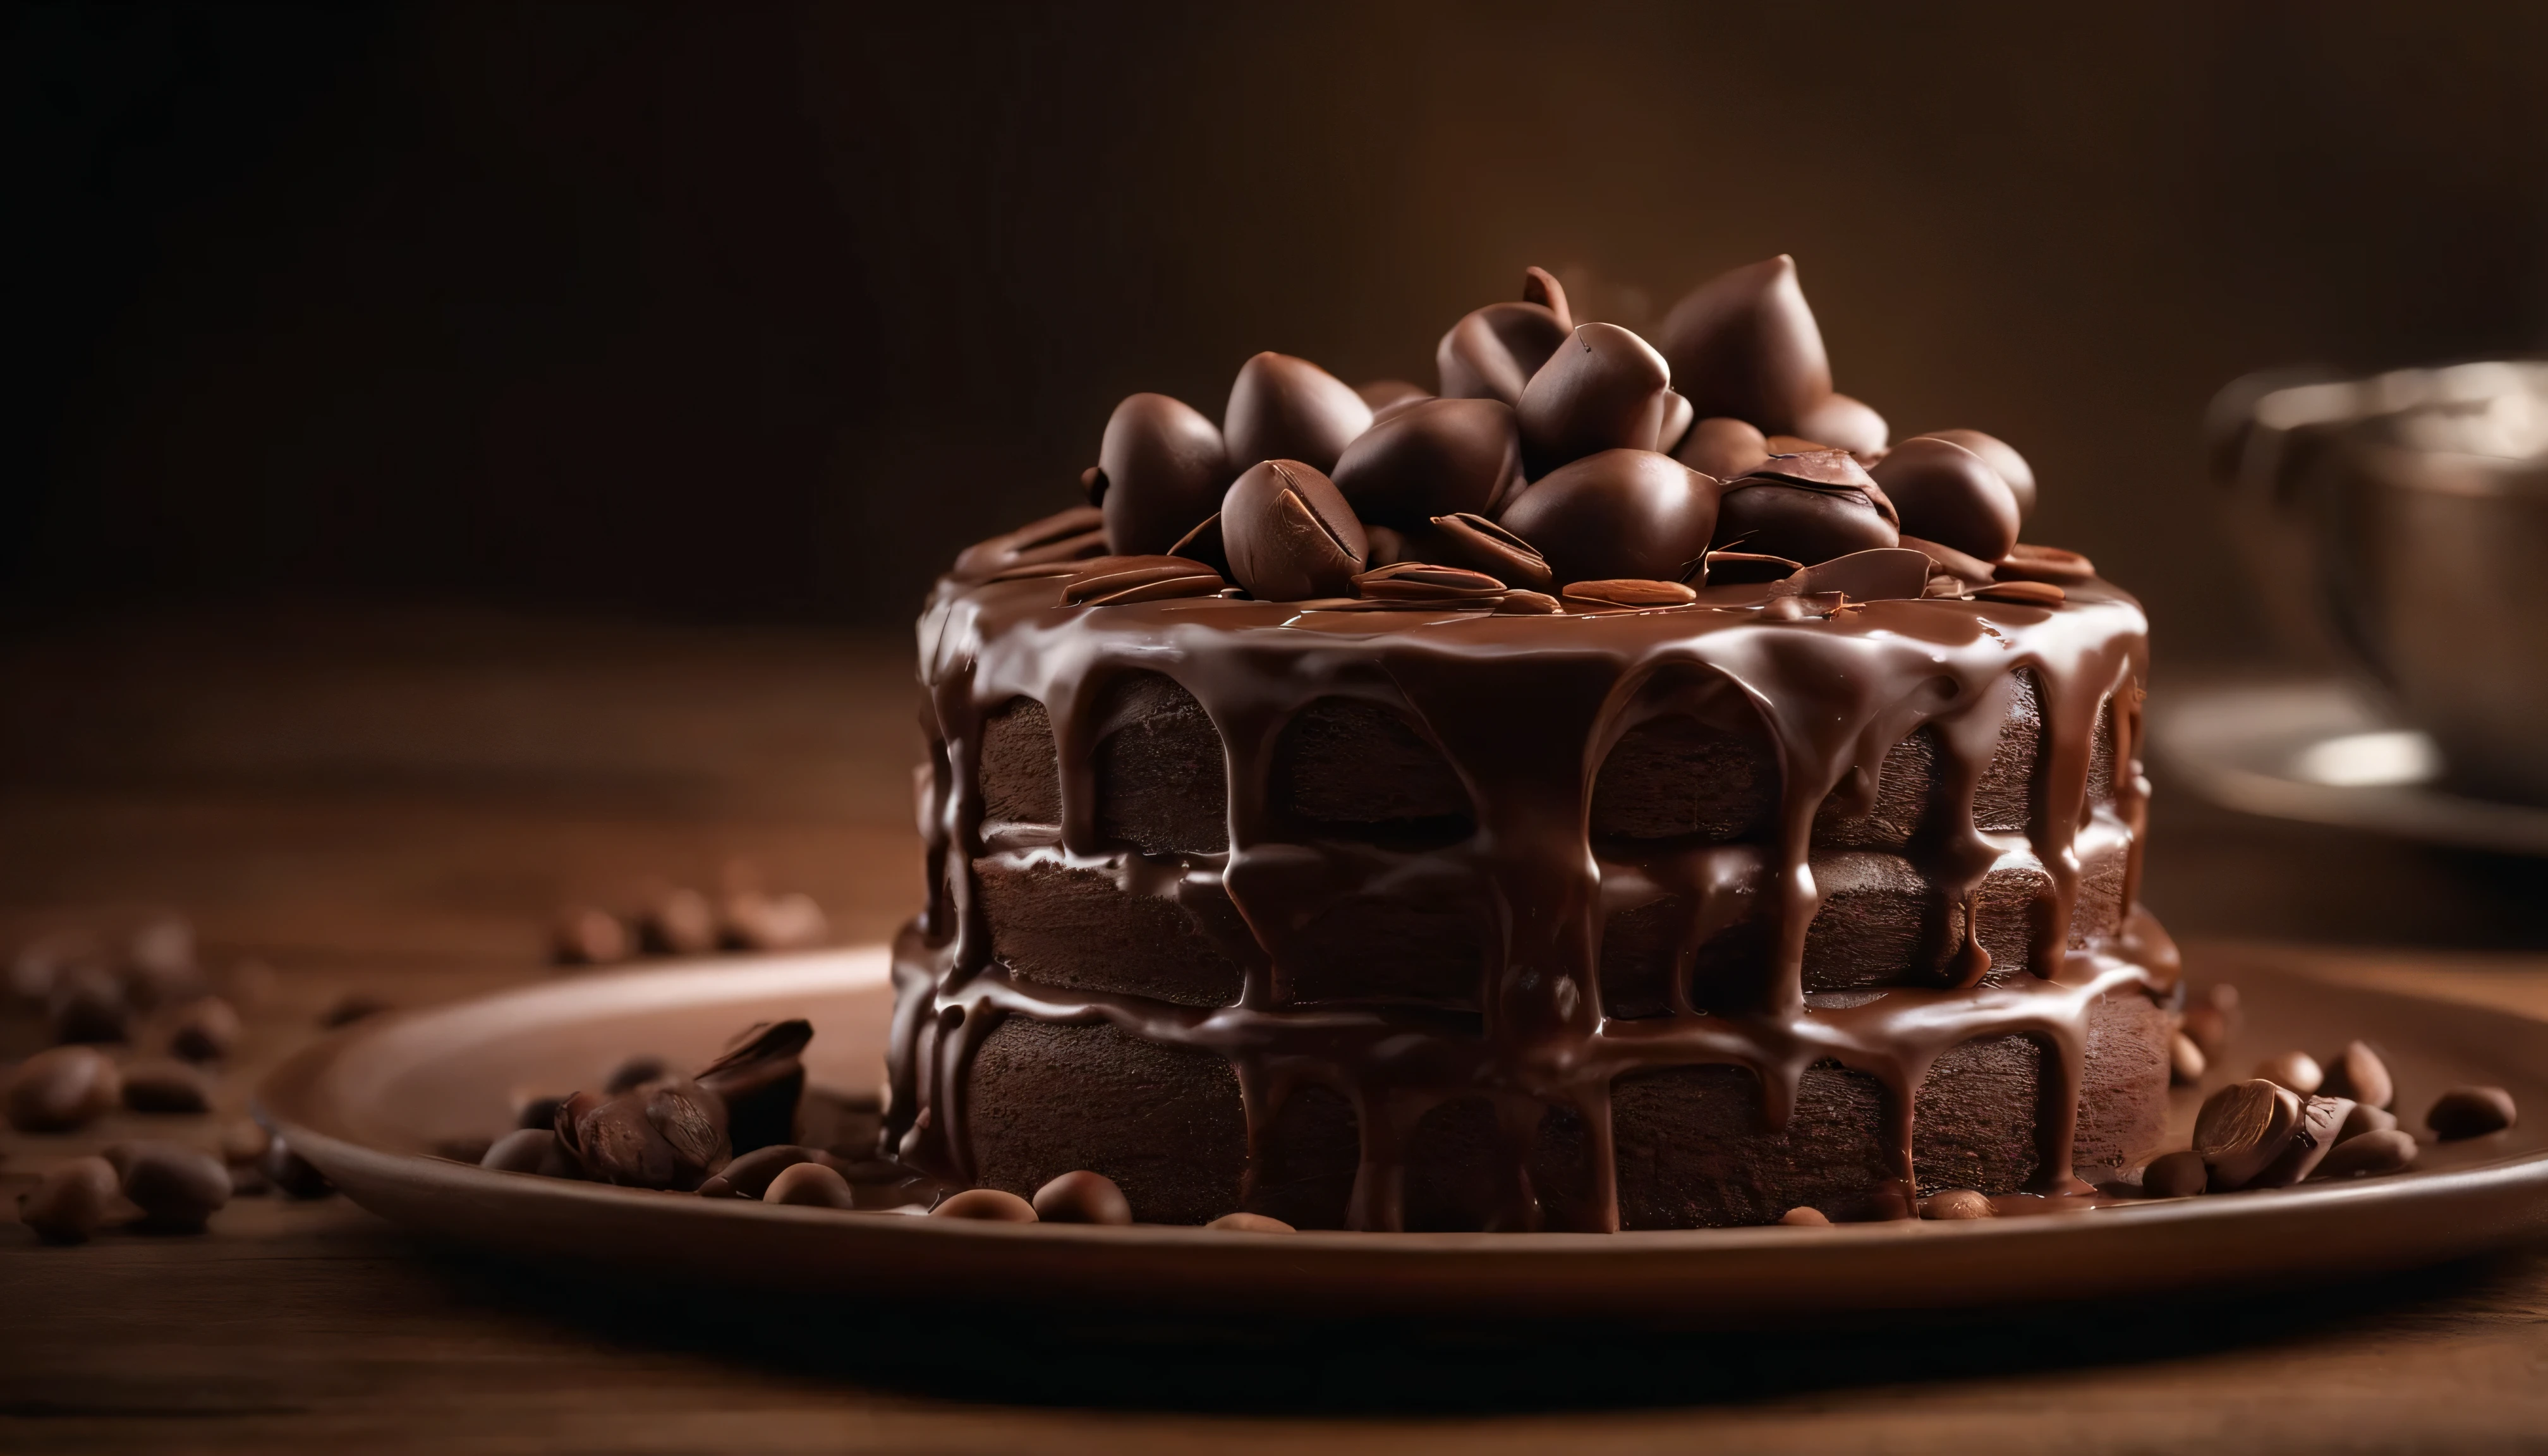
{"x": 1545, "y": 831}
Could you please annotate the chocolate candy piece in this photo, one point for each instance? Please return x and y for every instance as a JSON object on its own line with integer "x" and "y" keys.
{"x": 1165, "y": 467}
{"x": 1290, "y": 534}
{"x": 1884, "y": 573}
{"x": 1113, "y": 581}
{"x": 749, "y": 1175}
{"x": 1539, "y": 286}
{"x": 72, "y": 1201}
{"x": 2185, "y": 1060}
{"x": 166, "y": 1086}
{"x": 1203, "y": 544}
{"x": 1997, "y": 453}
{"x": 1520, "y": 603}
{"x": 1287, "y": 409}
{"x": 1805, "y": 1217}
{"x": 1475, "y": 542}
{"x": 2321, "y": 1118}
{"x": 2358, "y": 1072}
{"x": 987, "y": 1205}
{"x": 88, "y": 1004}
{"x": 1435, "y": 457}
{"x": 1957, "y": 1203}
{"x": 1842, "y": 423}
{"x": 2365, "y": 1119}
{"x": 1804, "y": 508}
{"x": 178, "y": 1189}
{"x": 671, "y": 1136}
{"x": 2244, "y": 1127}
{"x": 2295, "y": 1069}
{"x": 1417, "y": 580}
{"x": 1630, "y": 591}
{"x": 2367, "y": 1156}
{"x": 810, "y": 1185}
{"x": 1727, "y": 449}
{"x": 1380, "y": 394}
{"x": 1601, "y": 390}
{"x": 1082, "y": 1197}
{"x": 1947, "y": 494}
{"x": 2175, "y": 1175}
{"x": 2470, "y": 1112}
{"x": 1493, "y": 352}
{"x": 759, "y": 1083}
{"x": 61, "y": 1090}
{"x": 1249, "y": 1224}
{"x": 1677, "y": 415}
{"x": 1617, "y": 514}
{"x": 1744, "y": 344}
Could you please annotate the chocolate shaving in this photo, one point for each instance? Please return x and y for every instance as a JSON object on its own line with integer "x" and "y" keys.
{"x": 1119, "y": 576}
{"x": 1480, "y": 544}
{"x": 1416, "y": 581}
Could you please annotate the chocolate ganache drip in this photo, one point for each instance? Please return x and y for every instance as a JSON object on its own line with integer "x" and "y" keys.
{"x": 1475, "y": 753}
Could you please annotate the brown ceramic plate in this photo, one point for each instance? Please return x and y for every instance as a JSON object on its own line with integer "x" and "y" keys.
{"x": 367, "y": 1104}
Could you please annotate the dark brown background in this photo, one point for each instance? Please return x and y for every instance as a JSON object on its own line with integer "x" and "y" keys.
{"x": 762, "y": 311}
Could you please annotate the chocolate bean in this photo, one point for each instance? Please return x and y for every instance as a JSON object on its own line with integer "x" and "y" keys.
{"x": 2367, "y": 1156}
{"x": 2295, "y": 1069}
{"x": 205, "y": 1031}
{"x": 1290, "y": 533}
{"x": 622, "y": 1140}
{"x": 2358, "y": 1072}
{"x": 1436, "y": 457}
{"x": 987, "y": 1205}
{"x": 72, "y": 1201}
{"x": 1842, "y": 423}
{"x": 2185, "y": 1060}
{"x": 2011, "y": 467}
{"x": 2024, "y": 594}
{"x": 1627, "y": 592}
{"x": 1166, "y": 466}
{"x": 788, "y": 921}
{"x": 749, "y": 1175}
{"x": 2244, "y": 1127}
{"x": 1947, "y": 494}
{"x": 244, "y": 1141}
{"x": 88, "y": 1005}
{"x": 2365, "y": 1119}
{"x": 633, "y": 1073}
{"x": 2027, "y": 562}
{"x": 1620, "y": 513}
{"x": 1519, "y": 602}
{"x": 167, "y": 1088}
{"x": 1539, "y": 286}
{"x": 524, "y": 1150}
{"x": 1380, "y": 394}
{"x": 1416, "y": 581}
{"x": 61, "y": 1090}
{"x": 1802, "y": 1217}
{"x": 178, "y": 1189}
{"x": 43, "y": 962}
{"x": 296, "y": 1175}
{"x": 1249, "y": 1224}
{"x": 1744, "y": 344}
{"x": 1726, "y": 449}
{"x": 2317, "y": 1131}
{"x": 1491, "y": 353}
{"x": 1287, "y": 409}
{"x": 1771, "y": 516}
{"x": 350, "y": 1008}
{"x": 2470, "y": 1112}
{"x": 587, "y": 934}
{"x": 1884, "y": 573}
{"x": 1957, "y": 1203}
{"x": 1082, "y": 1197}
{"x": 1472, "y": 541}
{"x": 159, "y": 966}
{"x": 2175, "y": 1175}
{"x": 809, "y": 1185}
{"x": 676, "y": 921}
{"x": 761, "y": 1081}
{"x": 1601, "y": 390}
{"x": 1678, "y": 417}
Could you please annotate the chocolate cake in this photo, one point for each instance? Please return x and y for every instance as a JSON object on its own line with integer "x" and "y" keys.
{"x": 1620, "y": 792}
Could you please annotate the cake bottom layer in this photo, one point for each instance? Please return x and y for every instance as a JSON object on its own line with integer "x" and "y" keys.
{"x": 1694, "y": 1145}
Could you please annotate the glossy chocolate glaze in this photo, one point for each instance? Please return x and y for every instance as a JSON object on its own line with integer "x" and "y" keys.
{"x": 1524, "y": 709}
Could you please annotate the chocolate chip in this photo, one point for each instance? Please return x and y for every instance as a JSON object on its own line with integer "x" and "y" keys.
{"x": 1843, "y": 423}
{"x": 1601, "y": 390}
{"x": 1491, "y": 353}
{"x": 1744, "y": 344}
{"x": 1884, "y": 573}
{"x": 2030, "y": 563}
{"x": 809, "y": 1185}
{"x": 167, "y": 1088}
{"x": 2185, "y": 1060}
{"x": 1802, "y": 1217}
{"x": 1808, "y": 524}
{"x": 1618, "y": 515}
{"x": 1678, "y": 417}
{"x": 1287, "y": 409}
{"x": 1472, "y": 541}
{"x": 2470, "y": 1112}
{"x": 1435, "y": 457}
{"x": 2024, "y": 594}
{"x": 1539, "y": 286}
{"x": 72, "y": 1201}
{"x": 205, "y": 1031}
{"x": 2244, "y": 1127}
{"x": 88, "y": 1005}
{"x": 2358, "y": 1072}
{"x": 2367, "y": 1156}
{"x": 524, "y": 1150}
{"x": 587, "y": 934}
{"x": 1523, "y": 603}
{"x": 987, "y": 1205}
{"x": 1956, "y": 1202}
{"x": 61, "y": 1090}
{"x": 633, "y": 1073}
{"x": 1290, "y": 533}
{"x": 296, "y": 1175}
{"x": 2010, "y": 466}
{"x": 1166, "y": 466}
{"x": 1722, "y": 448}
{"x": 178, "y": 1189}
{"x": 1627, "y": 592}
{"x": 1380, "y": 394}
{"x": 748, "y": 1175}
{"x": 2179, "y": 1174}
{"x": 2365, "y": 1119}
{"x": 1082, "y": 1197}
{"x": 1249, "y": 1224}
{"x": 1947, "y": 494}
{"x": 2295, "y": 1069}
{"x": 762, "y": 1081}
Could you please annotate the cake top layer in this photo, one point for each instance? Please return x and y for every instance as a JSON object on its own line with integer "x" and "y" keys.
{"x": 1561, "y": 467}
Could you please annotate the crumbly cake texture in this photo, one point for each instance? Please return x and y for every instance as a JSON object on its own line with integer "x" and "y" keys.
{"x": 1292, "y": 872}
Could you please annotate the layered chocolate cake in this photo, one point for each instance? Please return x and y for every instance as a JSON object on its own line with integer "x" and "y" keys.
{"x": 1621, "y": 792}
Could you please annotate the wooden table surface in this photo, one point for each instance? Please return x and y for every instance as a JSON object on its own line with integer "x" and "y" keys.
{"x": 392, "y": 805}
